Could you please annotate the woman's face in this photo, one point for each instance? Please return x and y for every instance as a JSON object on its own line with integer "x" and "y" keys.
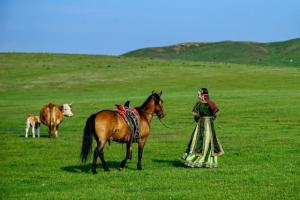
{"x": 203, "y": 97}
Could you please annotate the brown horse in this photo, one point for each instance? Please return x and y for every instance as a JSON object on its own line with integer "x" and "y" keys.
{"x": 108, "y": 125}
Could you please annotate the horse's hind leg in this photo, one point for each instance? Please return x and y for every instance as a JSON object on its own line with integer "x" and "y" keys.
{"x": 104, "y": 164}
{"x": 100, "y": 149}
{"x": 128, "y": 156}
{"x": 95, "y": 160}
{"x": 99, "y": 152}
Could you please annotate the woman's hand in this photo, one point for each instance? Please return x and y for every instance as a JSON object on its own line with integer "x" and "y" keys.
{"x": 196, "y": 116}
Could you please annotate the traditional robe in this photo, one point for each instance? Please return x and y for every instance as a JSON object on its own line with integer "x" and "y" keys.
{"x": 204, "y": 146}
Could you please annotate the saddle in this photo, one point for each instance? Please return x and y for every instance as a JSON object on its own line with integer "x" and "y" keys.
{"x": 132, "y": 119}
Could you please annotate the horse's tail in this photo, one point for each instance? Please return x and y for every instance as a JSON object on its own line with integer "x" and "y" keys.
{"x": 89, "y": 131}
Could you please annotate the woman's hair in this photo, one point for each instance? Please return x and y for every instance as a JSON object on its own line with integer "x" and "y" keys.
{"x": 203, "y": 91}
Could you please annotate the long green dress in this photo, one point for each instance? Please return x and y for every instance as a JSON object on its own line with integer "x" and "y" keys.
{"x": 204, "y": 147}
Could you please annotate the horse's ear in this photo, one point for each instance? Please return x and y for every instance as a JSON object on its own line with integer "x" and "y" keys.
{"x": 152, "y": 92}
{"x": 160, "y": 93}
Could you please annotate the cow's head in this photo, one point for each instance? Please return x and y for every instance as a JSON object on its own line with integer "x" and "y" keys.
{"x": 67, "y": 110}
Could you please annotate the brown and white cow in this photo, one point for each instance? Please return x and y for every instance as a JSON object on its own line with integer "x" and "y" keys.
{"x": 33, "y": 122}
{"x": 52, "y": 116}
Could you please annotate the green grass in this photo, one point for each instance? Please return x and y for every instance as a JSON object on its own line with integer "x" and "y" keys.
{"x": 285, "y": 53}
{"x": 258, "y": 126}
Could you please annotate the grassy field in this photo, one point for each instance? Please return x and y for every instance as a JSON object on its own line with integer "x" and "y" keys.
{"x": 258, "y": 126}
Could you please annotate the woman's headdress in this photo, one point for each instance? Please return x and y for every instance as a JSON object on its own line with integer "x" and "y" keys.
{"x": 203, "y": 91}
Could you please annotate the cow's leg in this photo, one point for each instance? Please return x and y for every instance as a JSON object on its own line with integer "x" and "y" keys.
{"x": 56, "y": 130}
{"x": 141, "y": 145}
{"x": 49, "y": 131}
{"x": 38, "y": 131}
{"x": 128, "y": 156}
{"x": 33, "y": 131}
{"x": 27, "y": 129}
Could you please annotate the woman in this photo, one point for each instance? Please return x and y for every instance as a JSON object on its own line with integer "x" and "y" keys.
{"x": 203, "y": 148}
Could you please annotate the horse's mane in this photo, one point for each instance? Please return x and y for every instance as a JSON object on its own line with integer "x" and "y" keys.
{"x": 153, "y": 96}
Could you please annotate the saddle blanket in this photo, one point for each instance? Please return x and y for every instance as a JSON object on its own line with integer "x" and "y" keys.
{"x": 132, "y": 118}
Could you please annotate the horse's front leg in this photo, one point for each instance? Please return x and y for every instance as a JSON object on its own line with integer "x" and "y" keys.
{"x": 141, "y": 144}
{"x": 128, "y": 156}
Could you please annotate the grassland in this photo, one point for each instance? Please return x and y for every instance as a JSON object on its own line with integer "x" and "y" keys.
{"x": 258, "y": 126}
{"x": 285, "y": 53}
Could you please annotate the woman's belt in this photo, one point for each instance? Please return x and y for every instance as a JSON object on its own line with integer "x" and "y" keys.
{"x": 206, "y": 117}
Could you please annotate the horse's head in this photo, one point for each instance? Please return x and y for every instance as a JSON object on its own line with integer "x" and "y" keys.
{"x": 158, "y": 103}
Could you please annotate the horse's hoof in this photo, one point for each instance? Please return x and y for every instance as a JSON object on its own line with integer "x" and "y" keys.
{"x": 121, "y": 168}
{"x": 139, "y": 168}
{"x": 94, "y": 171}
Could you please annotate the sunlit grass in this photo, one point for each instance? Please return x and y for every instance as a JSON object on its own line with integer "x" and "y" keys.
{"x": 258, "y": 126}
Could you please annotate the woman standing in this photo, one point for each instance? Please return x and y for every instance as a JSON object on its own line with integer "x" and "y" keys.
{"x": 204, "y": 147}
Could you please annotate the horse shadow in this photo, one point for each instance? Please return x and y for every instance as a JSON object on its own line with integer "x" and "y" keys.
{"x": 172, "y": 163}
{"x": 86, "y": 168}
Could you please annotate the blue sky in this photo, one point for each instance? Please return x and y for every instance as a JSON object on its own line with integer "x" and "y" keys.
{"x": 114, "y": 27}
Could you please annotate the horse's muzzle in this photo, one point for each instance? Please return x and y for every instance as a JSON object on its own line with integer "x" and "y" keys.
{"x": 161, "y": 115}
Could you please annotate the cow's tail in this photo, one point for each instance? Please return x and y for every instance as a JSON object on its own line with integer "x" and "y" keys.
{"x": 88, "y": 133}
{"x": 51, "y": 119}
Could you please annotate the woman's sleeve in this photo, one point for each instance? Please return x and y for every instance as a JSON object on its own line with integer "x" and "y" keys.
{"x": 196, "y": 109}
{"x": 195, "y": 112}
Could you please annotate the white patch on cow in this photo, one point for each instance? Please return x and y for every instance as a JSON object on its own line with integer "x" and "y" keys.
{"x": 67, "y": 110}
{"x": 57, "y": 122}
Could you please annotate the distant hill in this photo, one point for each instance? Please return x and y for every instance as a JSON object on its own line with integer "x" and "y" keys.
{"x": 273, "y": 53}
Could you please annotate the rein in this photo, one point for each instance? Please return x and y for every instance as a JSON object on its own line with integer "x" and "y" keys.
{"x": 165, "y": 124}
{"x": 148, "y": 113}
{"x": 158, "y": 119}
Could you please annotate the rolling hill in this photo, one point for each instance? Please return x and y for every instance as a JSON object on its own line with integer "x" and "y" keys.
{"x": 274, "y": 53}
